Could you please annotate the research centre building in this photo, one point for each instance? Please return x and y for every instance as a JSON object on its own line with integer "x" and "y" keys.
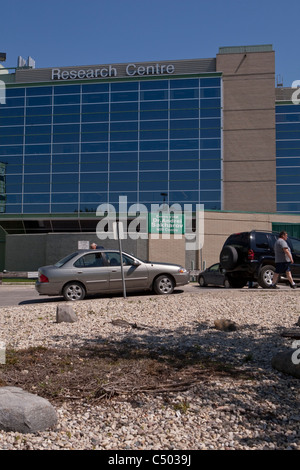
{"x": 213, "y": 133}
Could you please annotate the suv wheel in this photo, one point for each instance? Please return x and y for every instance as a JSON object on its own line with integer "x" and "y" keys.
{"x": 228, "y": 257}
{"x": 265, "y": 276}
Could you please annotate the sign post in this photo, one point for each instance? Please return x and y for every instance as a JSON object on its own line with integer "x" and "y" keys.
{"x": 119, "y": 235}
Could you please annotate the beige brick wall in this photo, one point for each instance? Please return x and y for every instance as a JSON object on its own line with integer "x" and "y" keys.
{"x": 167, "y": 250}
{"x": 249, "y": 146}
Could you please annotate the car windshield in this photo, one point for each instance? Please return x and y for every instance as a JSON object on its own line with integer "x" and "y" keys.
{"x": 65, "y": 260}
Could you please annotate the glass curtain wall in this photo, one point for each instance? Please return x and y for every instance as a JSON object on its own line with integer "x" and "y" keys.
{"x": 68, "y": 148}
{"x": 288, "y": 158}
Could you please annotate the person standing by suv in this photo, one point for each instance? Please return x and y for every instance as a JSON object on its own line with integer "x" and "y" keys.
{"x": 283, "y": 260}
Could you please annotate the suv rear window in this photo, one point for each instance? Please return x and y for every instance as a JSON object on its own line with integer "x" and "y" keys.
{"x": 238, "y": 240}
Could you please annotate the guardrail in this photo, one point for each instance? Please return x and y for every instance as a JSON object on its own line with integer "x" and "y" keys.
{"x": 194, "y": 274}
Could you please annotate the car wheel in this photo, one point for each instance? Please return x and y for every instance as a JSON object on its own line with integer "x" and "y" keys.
{"x": 265, "y": 277}
{"x": 228, "y": 257}
{"x": 202, "y": 282}
{"x": 163, "y": 285}
{"x": 226, "y": 283}
{"x": 74, "y": 291}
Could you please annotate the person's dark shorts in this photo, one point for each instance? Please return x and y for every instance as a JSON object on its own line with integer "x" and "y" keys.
{"x": 281, "y": 268}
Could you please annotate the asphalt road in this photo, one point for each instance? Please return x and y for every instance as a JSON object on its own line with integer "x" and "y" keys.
{"x": 13, "y": 295}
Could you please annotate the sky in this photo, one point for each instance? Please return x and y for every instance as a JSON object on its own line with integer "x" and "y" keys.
{"x": 61, "y": 33}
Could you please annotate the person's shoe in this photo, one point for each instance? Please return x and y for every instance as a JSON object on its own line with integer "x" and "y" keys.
{"x": 274, "y": 286}
{"x": 293, "y": 286}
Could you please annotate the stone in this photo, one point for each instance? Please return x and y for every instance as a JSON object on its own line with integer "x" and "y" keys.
{"x": 25, "y": 412}
{"x": 287, "y": 362}
{"x": 65, "y": 313}
{"x": 225, "y": 325}
{"x": 2, "y": 352}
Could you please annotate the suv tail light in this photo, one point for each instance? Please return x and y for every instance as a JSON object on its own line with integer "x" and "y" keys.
{"x": 43, "y": 278}
{"x": 250, "y": 254}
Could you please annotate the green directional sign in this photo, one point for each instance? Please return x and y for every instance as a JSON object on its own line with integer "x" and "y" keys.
{"x": 166, "y": 222}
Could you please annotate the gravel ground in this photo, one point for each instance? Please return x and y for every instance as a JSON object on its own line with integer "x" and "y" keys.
{"x": 259, "y": 410}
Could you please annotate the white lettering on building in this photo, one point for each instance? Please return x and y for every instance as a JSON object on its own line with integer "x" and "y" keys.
{"x": 157, "y": 69}
{"x": 110, "y": 71}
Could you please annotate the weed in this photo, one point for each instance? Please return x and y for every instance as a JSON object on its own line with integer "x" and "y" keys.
{"x": 182, "y": 406}
{"x": 248, "y": 357}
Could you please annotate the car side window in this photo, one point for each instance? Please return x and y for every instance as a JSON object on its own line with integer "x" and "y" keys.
{"x": 261, "y": 240}
{"x": 272, "y": 240}
{"x": 113, "y": 259}
{"x": 295, "y": 244}
{"x": 215, "y": 267}
{"x": 90, "y": 260}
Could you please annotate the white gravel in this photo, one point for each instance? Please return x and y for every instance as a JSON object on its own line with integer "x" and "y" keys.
{"x": 221, "y": 413}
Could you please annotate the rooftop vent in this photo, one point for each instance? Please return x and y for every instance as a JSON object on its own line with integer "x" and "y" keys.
{"x": 23, "y": 64}
{"x": 279, "y": 81}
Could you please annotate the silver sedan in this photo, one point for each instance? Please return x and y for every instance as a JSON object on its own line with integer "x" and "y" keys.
{"x": 88, "y": 272}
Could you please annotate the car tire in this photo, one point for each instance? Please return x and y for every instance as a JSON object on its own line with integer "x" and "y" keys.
{"x": 201, "y": 281}
{"x": 163, "y": 285}
{"x": 228, "y": 257}
{"x": 265, "y": 276}
{"x": 226, "y": 283}
{"x": 73, "y": 291}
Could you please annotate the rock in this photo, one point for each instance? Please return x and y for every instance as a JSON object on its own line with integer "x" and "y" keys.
{"x": 287, "y": 362}
{"x": 65, "y": 313}
{"x": 291, "y": 334}
{"x": 24, "y": 412}
{"x": 2, "y": 352}
{"x": 225, "y": 325}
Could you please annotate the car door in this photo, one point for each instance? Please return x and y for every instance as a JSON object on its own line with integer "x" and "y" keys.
{"x": 92, "y": 270}
{"x": 136, "y": 276}
{"x": 214, "y": 275}
{"x": 294, "y": 244}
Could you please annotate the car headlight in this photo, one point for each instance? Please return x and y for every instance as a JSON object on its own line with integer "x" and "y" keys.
{"x": 182, "y": 270}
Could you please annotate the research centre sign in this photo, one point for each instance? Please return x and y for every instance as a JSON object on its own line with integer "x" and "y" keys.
{"x": 151, "y": 69}
{"x": 131, "y": 70}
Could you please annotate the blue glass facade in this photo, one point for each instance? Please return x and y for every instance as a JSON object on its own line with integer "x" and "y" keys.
{"x": 288, "y": 157}
{"x": 66, "y": 148}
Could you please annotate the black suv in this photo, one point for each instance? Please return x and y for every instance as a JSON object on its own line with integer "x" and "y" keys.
{"x": 249, "y": 256}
